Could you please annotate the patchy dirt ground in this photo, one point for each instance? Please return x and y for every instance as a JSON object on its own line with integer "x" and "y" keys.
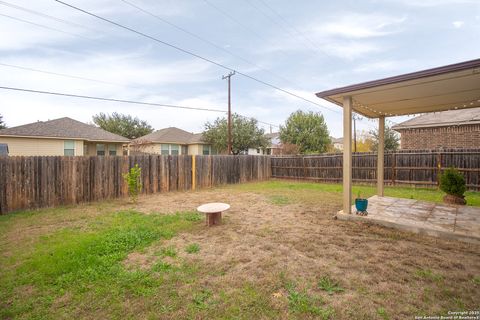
{"x": 273, "y": 234}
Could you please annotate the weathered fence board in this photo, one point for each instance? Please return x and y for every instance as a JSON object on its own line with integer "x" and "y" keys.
{"x": 414, "y": 167}
{"x": 37, "y": 182}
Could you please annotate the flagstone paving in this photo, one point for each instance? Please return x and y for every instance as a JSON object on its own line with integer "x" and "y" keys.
{"x": 435, "y": 219}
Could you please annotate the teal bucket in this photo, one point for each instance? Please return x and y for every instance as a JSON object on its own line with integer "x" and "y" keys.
{"x": 361, "y": 205}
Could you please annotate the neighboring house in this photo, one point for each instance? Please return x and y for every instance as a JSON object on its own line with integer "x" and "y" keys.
{"x": 171, "y": 141}
{"x": 61, "y": 137}
{"x": 337, "y": 143}
{"x": 446, "y": 129}
{"x": 274, "y": 147}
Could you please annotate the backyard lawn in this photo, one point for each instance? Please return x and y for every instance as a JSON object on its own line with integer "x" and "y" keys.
{"x": 278, "y": 254}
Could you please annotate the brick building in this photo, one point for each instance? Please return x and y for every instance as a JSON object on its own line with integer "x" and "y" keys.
{"x": 447, "y": 129}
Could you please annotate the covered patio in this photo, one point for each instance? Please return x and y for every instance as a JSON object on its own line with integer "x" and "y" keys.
{"x": 450, "y": 87}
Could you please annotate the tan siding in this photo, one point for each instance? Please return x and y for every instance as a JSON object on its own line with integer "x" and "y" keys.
{"x": 37, "y": 147}
{"x": 195, "y": 149}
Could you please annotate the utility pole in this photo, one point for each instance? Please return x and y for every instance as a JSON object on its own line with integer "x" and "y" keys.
{"x": 229, "y": 119}
{"x": 355, "y": 118}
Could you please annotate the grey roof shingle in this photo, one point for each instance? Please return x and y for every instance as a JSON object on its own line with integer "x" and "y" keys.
{"x": 442, "y": 119}
{"x": 65, "y": 128}
{"x": 172, "y": 135}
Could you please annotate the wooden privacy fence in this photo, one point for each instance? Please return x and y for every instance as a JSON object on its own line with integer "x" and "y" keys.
{"x": 37, "y": 182}
{"x": 419, "y": 167}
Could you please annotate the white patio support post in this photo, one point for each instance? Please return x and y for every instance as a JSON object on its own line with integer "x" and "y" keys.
{"x": 380, "y": 155}
{"x": 347, "y": 155}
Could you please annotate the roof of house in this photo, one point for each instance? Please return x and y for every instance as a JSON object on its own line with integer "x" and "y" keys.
{"x": 172, "y": 135}
{"x": 272, "y": 135}
{"x": 442, "y": 119}
{"x": 337, "y": 140}
{"x": 64, "y": 128}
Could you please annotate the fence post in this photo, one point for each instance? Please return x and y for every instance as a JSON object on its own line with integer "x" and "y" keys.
{"x": 194, "y": 178}
{"x": 304, "y": 168}
{"x": 439, "y": 167}
{"x": 394, "y": 168}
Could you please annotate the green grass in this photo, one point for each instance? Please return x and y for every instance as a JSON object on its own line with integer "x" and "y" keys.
{"x": 427, "y": 194}
{"x": 85, "y": 266}
{"x": 192, "y": 248}
{"x": 300, "y": 302}
{"x": 427, "y": 274}
{"x": 279, "y": 200}
{"x": 329, "y": 285}
{"x": 383, "y": 313}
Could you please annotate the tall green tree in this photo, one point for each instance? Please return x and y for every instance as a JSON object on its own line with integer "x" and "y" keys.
{"x": 245, "y": 134}
{"x": 392, "y": 139}
{"x": 122, "y": 124}
{"x": 2, "y": 123}
{"x": 307, "y": 130}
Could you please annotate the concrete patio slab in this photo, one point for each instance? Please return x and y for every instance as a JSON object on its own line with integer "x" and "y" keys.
{"x": 434, "y": 219}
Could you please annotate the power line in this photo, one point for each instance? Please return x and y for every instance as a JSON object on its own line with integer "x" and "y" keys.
{"x": 196, "y": 36}
{"x": 94, "y": 80}
{"x": 110, "y": 99}
{"x": 43, "y": 26}
{"x": 195, "y": 55}
{"x": 64, "y": 75}
{"x": 232, "y": 18}
{"x": 292, "y": 26}
{"x": 11, "y": 5}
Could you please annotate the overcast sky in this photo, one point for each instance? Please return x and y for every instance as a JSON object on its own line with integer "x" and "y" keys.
{"x": 300, "y": 46}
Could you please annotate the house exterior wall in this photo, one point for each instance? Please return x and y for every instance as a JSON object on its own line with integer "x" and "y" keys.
{"x": 256, "y": 151}
{"x": 464, "y": 136}
{"x": 156, "y": 148}
{"x": 18, "y": 146}
{"x": 90, "y": 148}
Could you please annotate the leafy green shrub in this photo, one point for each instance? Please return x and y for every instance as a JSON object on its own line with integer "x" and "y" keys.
{"x": 134, "y": 181}
{"x": 452, "y": 182}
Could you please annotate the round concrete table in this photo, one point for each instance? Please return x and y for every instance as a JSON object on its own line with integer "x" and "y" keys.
{"x": 213, "y": 212}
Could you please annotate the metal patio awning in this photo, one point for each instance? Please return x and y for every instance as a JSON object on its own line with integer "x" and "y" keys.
{"x": 449, "y": 87}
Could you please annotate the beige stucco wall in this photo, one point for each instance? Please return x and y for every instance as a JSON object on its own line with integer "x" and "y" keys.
{"x": 38, "y": 146}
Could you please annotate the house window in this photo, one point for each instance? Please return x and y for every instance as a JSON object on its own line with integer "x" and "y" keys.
{"x": 69, "y": 148}
{"x": 165, "y": 149}
{"x": 174, "y": 149}
{"x": 184, "y": 149}
{"x": 206, "y": 150}
{"x": 112, "y": 150}
{"x": 100, "y": 149}
{"x": 85, "y": 149}
{"x": 258, "y": 151}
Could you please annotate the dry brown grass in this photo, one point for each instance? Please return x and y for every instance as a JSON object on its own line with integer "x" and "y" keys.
{"x": 270, "y": 237}
{"x": 380, "y": 269}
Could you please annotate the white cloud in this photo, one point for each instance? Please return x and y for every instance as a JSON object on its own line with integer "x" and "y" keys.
{"x": 458, "y": 24}
{"x": 435, "y": 3}
{"x": 359, "y": 26}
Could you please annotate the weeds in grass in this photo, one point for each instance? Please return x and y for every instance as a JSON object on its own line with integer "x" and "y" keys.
{"x": 279, "y": 200}
{"x": 476, "y": 279}
{"x": 428, "y": 274}
{"x": 75, "y": 260}
{"x": 169, "y": 252}
{"x": 329, "y": 285}
{"x": 162, "y": 267}
{"x": 302, "y": 302}
{"x": 383, "y": 313}
{"x": 201, "y": 298}
{"x": 192, "y": 248}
